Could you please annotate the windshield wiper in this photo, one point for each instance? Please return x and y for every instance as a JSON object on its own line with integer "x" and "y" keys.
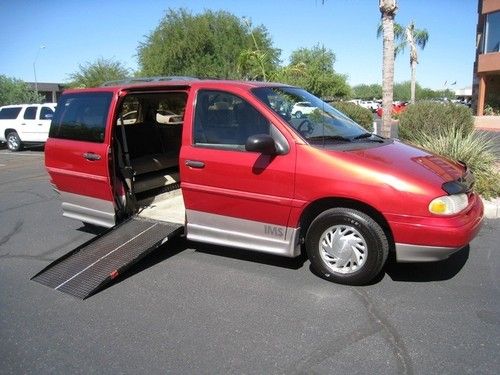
{"x": 364, "y": 136}
{"x": 329, "y": 138}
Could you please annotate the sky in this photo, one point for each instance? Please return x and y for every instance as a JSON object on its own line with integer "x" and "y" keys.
{"x": 56, "y": 36}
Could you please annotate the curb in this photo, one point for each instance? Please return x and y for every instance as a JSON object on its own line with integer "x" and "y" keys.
{"x": 491, "y": 208}
{"x": 488, "y": 129}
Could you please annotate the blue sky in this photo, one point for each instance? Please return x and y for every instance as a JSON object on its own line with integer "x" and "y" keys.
{"x": 74, "y": 32}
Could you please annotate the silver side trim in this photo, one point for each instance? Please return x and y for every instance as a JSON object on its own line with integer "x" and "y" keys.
{"x": 241, "y": 233}
{"x": 88, "y": 209}
{"x": 406, "y": 253}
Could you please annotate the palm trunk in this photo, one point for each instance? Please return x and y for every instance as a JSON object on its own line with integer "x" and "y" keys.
{"x": 413, "y": 65}
{"x": 388, "y": 9}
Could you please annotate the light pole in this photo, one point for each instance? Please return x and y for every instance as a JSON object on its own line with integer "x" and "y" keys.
{"x": 34, "y": 67}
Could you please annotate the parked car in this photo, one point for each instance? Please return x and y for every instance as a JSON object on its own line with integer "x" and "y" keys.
{"x": 25, "y": 124}
{"x": 397, "y": 108}
{"x": 369, "y": 104}
{"x": 302, "y": 108}
{"x": 245, "y": 175}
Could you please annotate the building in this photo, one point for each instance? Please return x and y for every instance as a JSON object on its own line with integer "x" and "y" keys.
{"x": 50, "y": 91}
{"x": 486, "y": 83}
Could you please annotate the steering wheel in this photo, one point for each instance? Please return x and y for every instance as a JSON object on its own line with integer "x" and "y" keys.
{"x": 305, "y": 127}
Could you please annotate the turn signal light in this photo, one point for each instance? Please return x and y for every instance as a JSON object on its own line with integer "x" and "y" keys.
{"x": 449, "y": 204}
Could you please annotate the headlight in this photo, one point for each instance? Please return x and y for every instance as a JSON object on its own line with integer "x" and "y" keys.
{"x": 449, "y": 204}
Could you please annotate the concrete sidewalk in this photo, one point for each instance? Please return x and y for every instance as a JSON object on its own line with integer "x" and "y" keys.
{"x": 490, "y": 123}
{"x": 492, "y": 208}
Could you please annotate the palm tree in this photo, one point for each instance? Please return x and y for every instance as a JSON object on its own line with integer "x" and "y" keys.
{"x": 388, "y": 9}
{"x": 414, "y": 38}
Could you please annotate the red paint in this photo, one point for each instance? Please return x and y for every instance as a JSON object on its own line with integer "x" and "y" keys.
{"x": 396, "y": 180}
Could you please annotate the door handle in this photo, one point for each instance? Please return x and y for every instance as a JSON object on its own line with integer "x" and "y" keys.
{"x": 195, "y": 164}
{"x": 91, "y": 156}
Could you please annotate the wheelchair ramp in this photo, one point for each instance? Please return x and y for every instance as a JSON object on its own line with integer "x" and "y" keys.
{"x": 88, "y": 268}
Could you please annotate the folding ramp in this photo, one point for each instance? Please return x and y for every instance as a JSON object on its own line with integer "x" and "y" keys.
{"x": 89, "y": 267}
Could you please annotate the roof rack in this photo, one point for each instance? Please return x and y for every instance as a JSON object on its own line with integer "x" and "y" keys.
{"x": 132, "y": 80}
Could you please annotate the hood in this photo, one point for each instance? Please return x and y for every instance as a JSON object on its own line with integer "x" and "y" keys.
{"x": 402, "y": 159}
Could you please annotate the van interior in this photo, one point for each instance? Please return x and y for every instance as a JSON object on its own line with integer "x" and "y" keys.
{"x": 147, "y": 142}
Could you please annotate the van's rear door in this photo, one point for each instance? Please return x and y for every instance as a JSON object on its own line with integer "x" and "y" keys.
{"x": 77, "y": 156}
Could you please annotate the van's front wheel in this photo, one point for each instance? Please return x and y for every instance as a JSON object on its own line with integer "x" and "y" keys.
{"x": 346, "y": 246}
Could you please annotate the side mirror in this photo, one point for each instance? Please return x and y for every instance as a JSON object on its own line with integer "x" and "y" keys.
{"x": 262, "y": 143}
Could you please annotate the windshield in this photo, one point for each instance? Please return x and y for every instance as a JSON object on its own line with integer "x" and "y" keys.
{"x": 315, "y": 120}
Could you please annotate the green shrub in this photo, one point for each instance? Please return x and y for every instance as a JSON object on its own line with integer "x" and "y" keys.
{"x": 491, "y": 111}
{"x": 434, "y": 118}
{"x": 362, "y": 116}
{"x": 475, "y": 149}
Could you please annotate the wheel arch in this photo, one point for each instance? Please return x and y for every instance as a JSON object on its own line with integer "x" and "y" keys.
{"x": 321, "y": 205}
{"x": 9, "y": 130}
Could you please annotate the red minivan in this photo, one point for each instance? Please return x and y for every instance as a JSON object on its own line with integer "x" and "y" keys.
{"x": 230, "y": 162}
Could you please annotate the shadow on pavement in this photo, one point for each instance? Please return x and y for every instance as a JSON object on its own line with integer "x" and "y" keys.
{"x": 426, "y": 272}
{"x": 37, "y": 148}
{"x": 409, "y": 272}
{"x": 251, "y": 256}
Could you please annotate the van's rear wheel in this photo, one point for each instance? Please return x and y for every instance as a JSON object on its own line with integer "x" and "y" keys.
{"x": 14, "y": 142}
{"x": 346, "y": 246}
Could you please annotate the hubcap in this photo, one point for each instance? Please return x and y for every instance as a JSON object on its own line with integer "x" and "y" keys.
{"x": 12, "y": 142}
{"x": 343, "y": 249}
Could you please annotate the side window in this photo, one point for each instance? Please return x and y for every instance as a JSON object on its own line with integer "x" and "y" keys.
{"x": 129, "y": 112}
{"x": 46, "y": 113}
{"x": 154, "y": 109}
{"x": 9, "y": 113}
{"x": 81, "y": 117}
{"x": 223, "y": 120}
{"x": 30, "y": 113}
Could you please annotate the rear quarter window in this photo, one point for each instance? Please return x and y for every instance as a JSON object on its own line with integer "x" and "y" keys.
{"x": 9, "y": 113}
{"x": 46, "y": 113}
{"x": 81, "y": 117}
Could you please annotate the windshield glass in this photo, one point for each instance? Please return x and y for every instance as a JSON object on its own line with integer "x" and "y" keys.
{"x": 315, "y": 120}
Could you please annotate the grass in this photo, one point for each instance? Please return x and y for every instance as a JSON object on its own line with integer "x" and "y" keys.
{"x": 474, "y": 148}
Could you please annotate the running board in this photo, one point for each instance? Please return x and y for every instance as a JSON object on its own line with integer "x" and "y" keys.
{"x": 88, "y": 268}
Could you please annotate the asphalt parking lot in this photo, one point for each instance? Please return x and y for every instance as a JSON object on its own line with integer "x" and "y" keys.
{"x": 198, "y": 309}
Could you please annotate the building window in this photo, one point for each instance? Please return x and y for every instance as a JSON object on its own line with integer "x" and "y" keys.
{"x": 492, "y": 32}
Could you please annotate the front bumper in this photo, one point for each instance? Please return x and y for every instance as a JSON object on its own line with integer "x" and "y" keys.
{"x": 419, "y": 239}
{"x": 406, "y": 253}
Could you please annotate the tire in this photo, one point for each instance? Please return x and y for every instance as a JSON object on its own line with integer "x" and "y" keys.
{"x": 14, "y": 142}
{"x": 298, "y": 114}
{"x": 346, "y": 246}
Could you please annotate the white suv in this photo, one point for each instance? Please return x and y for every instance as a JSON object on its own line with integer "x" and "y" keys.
{"x": 24, "y": 124}
{"x": 369, "y": 104}
{"x": 302, "y": 108}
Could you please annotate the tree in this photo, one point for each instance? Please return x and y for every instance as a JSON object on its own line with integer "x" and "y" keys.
{"x": 254, "y": 62}
{"x": 207, "y": 45}
{"x": 96, "y": 73}
{"x": 388, "y": 9}
{"x": 367, "y": 92}
{"x": 414, "y": 38}
{"x": 15, "y": 91}
{"x": 312, "y": 69}
{"x": 402, "y": 91}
